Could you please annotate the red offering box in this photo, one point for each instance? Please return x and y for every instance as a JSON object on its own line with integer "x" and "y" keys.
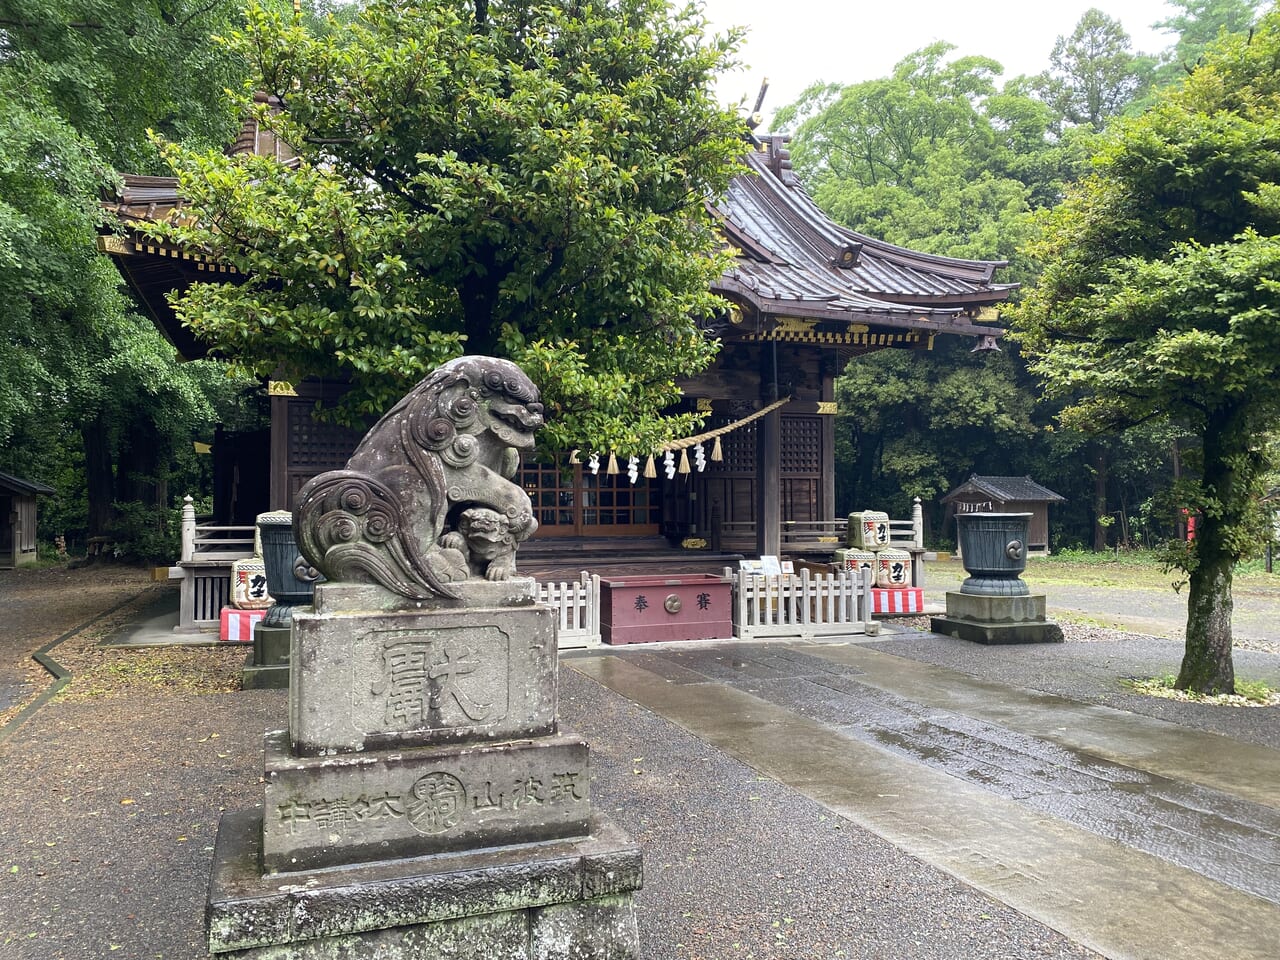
{"x": 237, "y": 625}
{"x": 691, "y": 606}
{"x": 897, "y": 600}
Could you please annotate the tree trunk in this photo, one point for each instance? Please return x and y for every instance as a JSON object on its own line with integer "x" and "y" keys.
{"x": 1099, "y": 500}
{"x": 478, "y": 296}
{"x": 98, "y": 476}
{"x": 1206, "y": 664}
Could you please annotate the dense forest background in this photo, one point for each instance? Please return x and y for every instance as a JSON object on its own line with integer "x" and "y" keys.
{"x": 945, "y": 155}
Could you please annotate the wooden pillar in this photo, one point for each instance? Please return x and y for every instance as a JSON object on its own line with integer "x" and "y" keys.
{"x": 279, "y": 488}
{"x": 769, "y": 461}
{"x": 827, "y": 489}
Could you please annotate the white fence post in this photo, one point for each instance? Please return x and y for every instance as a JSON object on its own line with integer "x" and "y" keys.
{"x": 577, "y": 610}
{"x": 188, "y": 528}
{"x": 803, "y": 606}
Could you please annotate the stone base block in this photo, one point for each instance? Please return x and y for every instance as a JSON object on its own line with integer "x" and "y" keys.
{"x": 992, "y": 609}
{"x": 1039, "y": 631}
{"x": 564, "y": 900}
{"x": 254, "y": 677}
{"x": 353, "y": 808}
{"x": 271, "y": 644}
{"x": 402, "y": 678}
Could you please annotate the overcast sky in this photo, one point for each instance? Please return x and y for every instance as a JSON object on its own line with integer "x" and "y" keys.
{"x": 797, "y": 42}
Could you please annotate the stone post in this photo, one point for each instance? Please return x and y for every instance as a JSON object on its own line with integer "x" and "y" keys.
{"x": 188, "y": 529}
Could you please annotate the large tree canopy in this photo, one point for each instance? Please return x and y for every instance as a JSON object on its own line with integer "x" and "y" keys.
{"x": 526, "y": 180}
{"x": 1093, "y": 73}
{"x": 1159, "y": 300}
{"x": 80, "y": 83}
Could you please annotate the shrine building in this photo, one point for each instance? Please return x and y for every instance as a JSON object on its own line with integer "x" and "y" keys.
{"x": 803, "y": 297}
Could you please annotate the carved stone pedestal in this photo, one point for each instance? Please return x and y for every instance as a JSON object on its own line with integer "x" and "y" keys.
{"x": 560, "y": 900}
{"x": 994, "y": 620}
{"x": 423, "y": 802}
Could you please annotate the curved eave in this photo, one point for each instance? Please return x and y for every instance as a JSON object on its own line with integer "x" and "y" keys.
{"x": 767, "y": 308}
{"x": 783, "y": 218}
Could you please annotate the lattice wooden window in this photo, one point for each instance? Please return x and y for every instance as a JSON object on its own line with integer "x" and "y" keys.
{"x": 610, "y": 500}
{"x": 316, "y": 446}
{"x": 737, "y": 446}
{"x": 801, "y": 445}
{"x": 551, "y": 491}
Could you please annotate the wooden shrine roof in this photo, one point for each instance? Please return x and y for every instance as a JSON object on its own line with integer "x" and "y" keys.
{"x": 1005, "y": 490}
{"x": 793, "y": 262}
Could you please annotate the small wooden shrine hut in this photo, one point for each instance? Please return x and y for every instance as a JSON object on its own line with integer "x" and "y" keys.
{"x": 804, "y": 296}
{"x": 18, "y": 519}
{"x": 1007, "y": 495}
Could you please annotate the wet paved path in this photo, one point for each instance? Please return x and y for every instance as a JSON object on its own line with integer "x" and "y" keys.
{"x": 1132, "y": 835}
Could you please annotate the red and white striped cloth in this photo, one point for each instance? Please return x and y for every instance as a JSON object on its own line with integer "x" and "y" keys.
{"x": 897, "y": 600}
{"x": 237, "y": 625}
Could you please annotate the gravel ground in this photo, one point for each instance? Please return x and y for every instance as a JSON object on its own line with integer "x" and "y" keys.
{"x": 40, "y": 604}
{"x": 114, "y": 788}
{"x": 741, "y": 866}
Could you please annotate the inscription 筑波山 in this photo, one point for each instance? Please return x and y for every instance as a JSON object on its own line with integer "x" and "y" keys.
{"x": 435, "y": 803}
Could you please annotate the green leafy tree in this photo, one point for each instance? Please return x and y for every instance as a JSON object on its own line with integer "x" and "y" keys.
{"x": 80, "y": 83}
{"x": 935, "y": 156}
{"x": 1093, "y": 74}
{"x": 1158, "y": 301}
{"x": 1197, "y": 24}
{"x": 525, "y": 180}
{"x": 917, "y": 424}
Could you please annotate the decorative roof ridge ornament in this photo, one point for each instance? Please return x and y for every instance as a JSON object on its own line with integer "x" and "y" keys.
{"x": 427, "y": 501}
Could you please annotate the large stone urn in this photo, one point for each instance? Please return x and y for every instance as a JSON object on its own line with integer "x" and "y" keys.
{"x": 993, "y": 548}
{"x": 291, "y": 582}
{"x": 994, "y": 605}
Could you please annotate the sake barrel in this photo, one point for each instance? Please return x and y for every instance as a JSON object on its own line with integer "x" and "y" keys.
{"x": 852, "y": 559}
{"x": 893, "y": 568}
{"x": 868, "y": 530}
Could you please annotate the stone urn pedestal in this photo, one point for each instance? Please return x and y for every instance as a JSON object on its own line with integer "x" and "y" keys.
{"x": 424, "y": 802}
{"x": 994, "y": 605}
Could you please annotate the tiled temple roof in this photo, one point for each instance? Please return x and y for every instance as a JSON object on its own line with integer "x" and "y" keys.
{"x": 794, "y": 260}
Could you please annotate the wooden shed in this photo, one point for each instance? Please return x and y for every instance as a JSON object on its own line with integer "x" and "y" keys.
{"x": 18, "y": 519}
{"x": 1007, "y": 495}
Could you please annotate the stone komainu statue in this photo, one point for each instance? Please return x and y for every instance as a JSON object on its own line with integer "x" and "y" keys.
{"x": 427, "y": 500}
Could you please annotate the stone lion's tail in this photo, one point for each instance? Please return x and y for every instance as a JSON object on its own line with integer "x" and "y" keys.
{"x": 352, "y": 528}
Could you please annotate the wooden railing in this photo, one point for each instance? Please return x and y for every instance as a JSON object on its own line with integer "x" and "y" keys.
{"x": 819, "y": 536}
{"x": 208, "y": 550}
{"x": 206, "y": 542}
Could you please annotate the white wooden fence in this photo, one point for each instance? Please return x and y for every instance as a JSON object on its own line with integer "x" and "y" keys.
{"x": 577, "y": 607}
{"x": 803, "y": 605}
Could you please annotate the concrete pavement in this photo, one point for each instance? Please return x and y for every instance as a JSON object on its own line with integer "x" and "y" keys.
{"x": 911, "y": 796}
{"x": 1133, "y": 836}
